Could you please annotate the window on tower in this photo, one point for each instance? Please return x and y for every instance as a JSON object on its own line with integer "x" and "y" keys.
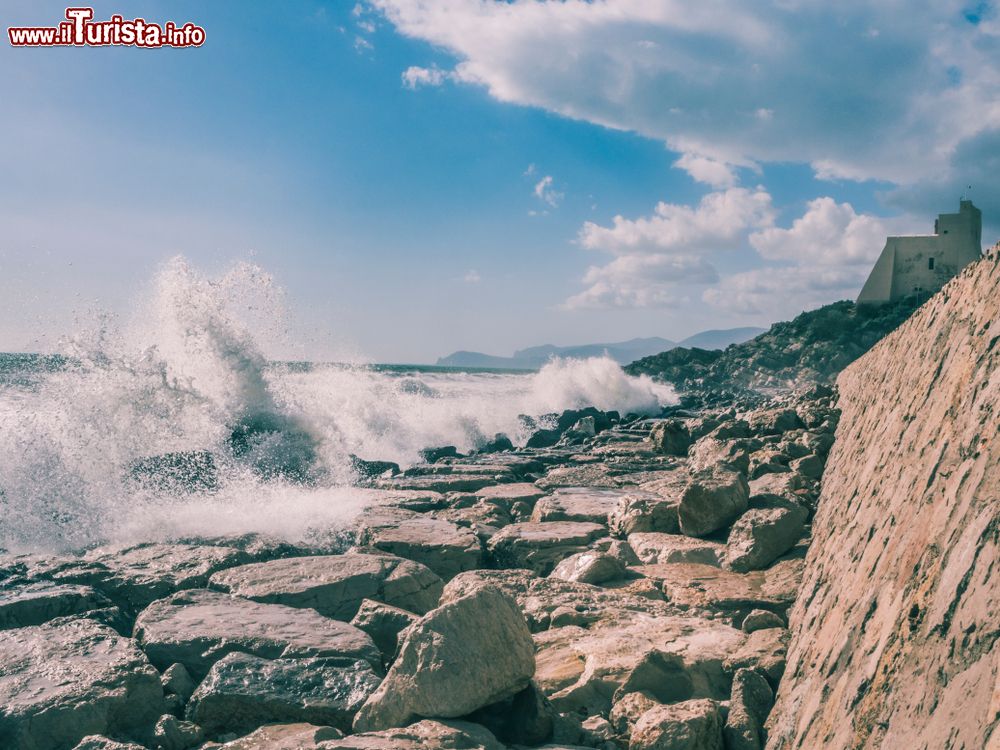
{"x": 930, "y": 264}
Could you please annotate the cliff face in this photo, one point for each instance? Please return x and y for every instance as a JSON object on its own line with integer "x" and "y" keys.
{"x": 895, "y": 630}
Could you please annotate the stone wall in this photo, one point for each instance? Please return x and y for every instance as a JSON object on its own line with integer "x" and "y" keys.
{"x": 895, "y": 630}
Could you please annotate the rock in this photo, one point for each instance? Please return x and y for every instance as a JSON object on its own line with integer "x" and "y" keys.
{"x": 371, "y": 469}
{"x": 671, "y": 437}
{"x": 775, "y": 421}
{"x": 589, "y": 567}
{"x": 709, "y": 452}
{"x": 583, "y": 669}
{"x": 197, "y": 628}
{"x": 653, "y": 548}
{"x": 335, "y": 585}
{"x": 423, "y": 735}
{"x": 582, "y": 429}
{"x": 588, "y": 475}
{"x": 499, "y": 443}
{"x": 243, "y": 692}
{"x": 541, "y": 546}
{"x": 177, "y": 680}
{"x": 170, "y": 733}
{"x": 596, "y": 731}
{"x": 628, "y": 709}
{"x": 759, "y": 619}
{"x": 36, "y": 603}
{"x": 577, "y": 504}
{"x": 283, "y": 737}
{"x": 142, "y": 573}
{"x": 690, "y": 725}
{"x": 455, "y": 482}
{"x": 749, "y": 706}
{"x": 641, "y": 513}
{"x": 506, "y": 495}
{"x": 713, "y": 499}
{"x": 97, "y": 742}
{"x": 68, "y": 679}
{"x": 442, "y": 546}
{"x": 765, "y": 652}
{"x": 810, "y": 466}
{"x": 383, "y": 623}
{"x": 761, "y": 536}
{"x": 525, "y": 719}
{"x": 433, "y": 455}
{"x": 543, "y": 438}
{"x": 468, "y": 653}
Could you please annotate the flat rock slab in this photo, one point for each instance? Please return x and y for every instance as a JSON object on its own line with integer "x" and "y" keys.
{"x": 589, "y": 475}
{"x": 577, "y": 504}
{"x": 439, "y": 482}
{"x": 582, "y": 669}
{"x": 37, "y": 603}
{"x": 711, "y": 589}
{"x": 197, "y": 628}
{"x": 243, "y": 692}
{"x": 423, "y": 735}
{"x": 653, "y": 548}
{"x": 143, "y": 573}
{"x": 505, "y": 495}
{"x": 541, "y": 546}
{"x": 296, "y": 736}
{"x": 444, "y": 547}
{"x": 61, "y": 682}
{"x": 334, "y": 585}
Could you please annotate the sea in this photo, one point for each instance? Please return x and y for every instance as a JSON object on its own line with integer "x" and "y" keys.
{"x": 173, "y": 423}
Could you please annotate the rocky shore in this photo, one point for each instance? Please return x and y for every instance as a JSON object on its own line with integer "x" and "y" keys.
{"x": 622, "y": 583}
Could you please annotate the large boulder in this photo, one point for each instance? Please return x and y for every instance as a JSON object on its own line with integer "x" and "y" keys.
{"x": 335, "y": 585}
{"x": 671, "y": 437}
{"x": 297, "y": 736}
{"x": 197, "y": 628}
{"x": 442, "y": 546}
{"x": 714, "y": 498}
{"x": 644, "y": 513}
{"x": 39, "y": 602}
{"x": 589, "y": 567}
{"x": 65, "y": 680}
{"x": 762, "y": 535}
{"x": 383, "y": 623}
{"x": 689, "y": 725}
{"x": 468, "y": 653}
{"x": 541, "y": 546}
{"x": 243, "y": 692}
{"x": 423, "y": 735}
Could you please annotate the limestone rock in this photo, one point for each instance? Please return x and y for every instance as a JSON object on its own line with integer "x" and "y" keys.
{"x": 63, "y": 681}
{"x": 541, "y": 546}
{"x": 197, "y": 628}
{"x": 644, "y": 512}
{"x": 759, "y": 619}
{"x": 527, "y": 718}
{"x": 177, "y": 680}
{"x": 653, "y": 548}
{"x": 36, "y": 603}
{"x": 713, "y": 499}
{"x": 468, "y": 653}
{"x": 423, "y": 735}
{"x": 298, "y": 736}
{"x": 671, "y": 437}
{"x": 334, "y": 585}
{"x": 577, "y": 504}
{"x": 710, "y": 452}
{"x": 749, "y": 705}
{"x": 243, "y": 692}
{"x": 690, "y": 725}
{"x": 765, "y": 651}
{"x": 170, "y": 733}
{"x": 761, "y": 536}
{"x": 506, "y": 495}
{"x": 442, "y": 546}
{"x": 628, "y": 709}
{"x": 384, "y": 624}
{"x": 97, "y": 742}
{"x": 589, "y": 567}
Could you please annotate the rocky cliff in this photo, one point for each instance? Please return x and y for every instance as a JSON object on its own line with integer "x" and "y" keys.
{"x": 894, "y": 633}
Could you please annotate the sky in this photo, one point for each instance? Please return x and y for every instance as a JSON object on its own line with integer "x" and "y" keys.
{"x": 423, "y": 176}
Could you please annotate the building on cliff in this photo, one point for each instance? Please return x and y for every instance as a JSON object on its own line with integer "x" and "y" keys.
{"x": 911, "y": 265}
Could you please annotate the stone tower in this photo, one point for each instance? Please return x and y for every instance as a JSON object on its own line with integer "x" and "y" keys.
{"x": 909, "y": 265}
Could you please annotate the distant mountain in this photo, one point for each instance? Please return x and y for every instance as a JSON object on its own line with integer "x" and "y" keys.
{"x": 622, "y": 352}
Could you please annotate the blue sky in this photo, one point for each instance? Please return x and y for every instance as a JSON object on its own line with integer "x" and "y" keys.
{"x": 422, "y": 177}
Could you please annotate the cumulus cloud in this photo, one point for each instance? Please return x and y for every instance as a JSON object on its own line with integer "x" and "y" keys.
{"x": 719, "y": 221}
{"x": 783, "y": 292}
{"x": 631, "y": 281}
{"x": 414, "y": 77}
{"x": 705, "y": 169}
{"x": 859, "y": 90}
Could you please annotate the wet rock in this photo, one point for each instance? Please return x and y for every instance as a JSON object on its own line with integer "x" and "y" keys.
{"x": 197, "y": 628}
{"x": 582, "y": 429}
{"x": 298, "y": 736}
{"x": 468, "y": 653}
{"x": 243, "y": 692}
{"x": 759, "y": 619}
{"x": 541, "y": 546}
{"x": 442, "y": 546}
{"x": 335, "y": 585}
{"x": 690, "y": 725}
{"x": 170, "y": 733}
{"x": 749, "y": 706}
{"x": 713, "y": 499}
{"x": 671, "y": 437}
{"x": 761, "y": 536}
{"x": 383, "y": 623}
{"x": 63, "y": 681}
{"x": 371, "y": 469}
{"x": 36, "y": 603}
{"x": 653, "y": 548}
{"x": 423, "y": 735}
{"x": 499, "y": 443}
{"x": 577, "y": 504}
{"x": 544, "y": 438}
{"x": 468, "y": 482}
{"x": 433, "y": 455}
{"x": 589, "y": 567}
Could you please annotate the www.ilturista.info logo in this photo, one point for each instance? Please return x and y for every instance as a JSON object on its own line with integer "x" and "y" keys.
{"x": 80, "y": 30}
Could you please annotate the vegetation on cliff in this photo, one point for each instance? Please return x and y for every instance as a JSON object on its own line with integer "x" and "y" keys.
{"x": 811, "y": 349}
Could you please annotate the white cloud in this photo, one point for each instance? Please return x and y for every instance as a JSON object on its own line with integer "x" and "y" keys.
{"x": 631, "y": 281}
{"x": 720, "y": 221}
{"x": 892, "y": 105}
{"x": 414, "y": 77}
{"x": 705, "y": 169}
{"x": 782, "y": 293}
{"x": 546, "y": 192}
{"x": 472, "y": 277}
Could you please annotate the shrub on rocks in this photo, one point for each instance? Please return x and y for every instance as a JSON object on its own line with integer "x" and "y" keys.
{"x": 713, "y": 499}
{"x": 471, "y": 652}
